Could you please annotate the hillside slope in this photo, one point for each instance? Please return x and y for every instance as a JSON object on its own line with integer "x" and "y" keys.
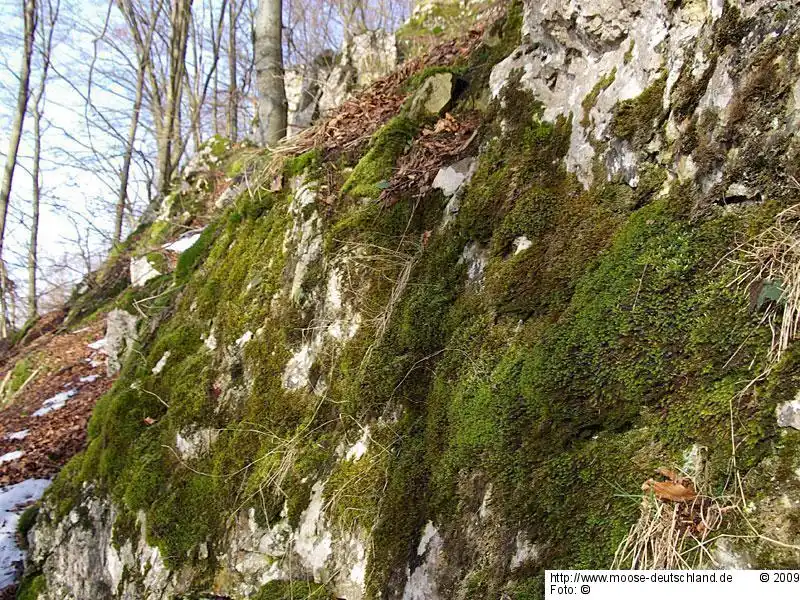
{"x": 530, "y": 302}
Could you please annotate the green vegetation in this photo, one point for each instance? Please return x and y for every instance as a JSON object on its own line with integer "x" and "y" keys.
{"x": 294, "y": 590}
{"x": 377, "y": 165}
{"x": 561, "y": 374}
{"x": 591, "y": 98}
{"x": 32, "y": 587}
{"x": 636, "y": 119}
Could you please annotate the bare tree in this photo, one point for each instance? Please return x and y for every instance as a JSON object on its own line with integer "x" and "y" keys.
{"x": 272, "y": 106}
{"x": 29, "y": 33}
{"x": 48, "y": 18}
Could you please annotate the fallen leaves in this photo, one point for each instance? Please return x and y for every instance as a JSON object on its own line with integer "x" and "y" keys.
{"x": 432, "y": 149}
{"x": 64, "y": 359}
{"x": 674, "y": 489}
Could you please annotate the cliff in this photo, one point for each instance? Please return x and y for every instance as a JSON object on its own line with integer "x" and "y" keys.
{"x": 528, "y": 302}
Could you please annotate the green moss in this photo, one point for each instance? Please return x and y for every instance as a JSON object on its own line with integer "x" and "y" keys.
{"x": 591, "y": 98}
{"x": 189, "y": 259}
{"x": 636, "y": 119}
{"x": 628, "y": 57}
{"x": 22, "y": 370}
{"x": 730, "y": 28}
{"x": 292, "y": 590}
{"x": 32, "y": 587}
{"x": 26, "y": 521}
{"x": 308, "y": 162}
{"x": 376, "y": 167}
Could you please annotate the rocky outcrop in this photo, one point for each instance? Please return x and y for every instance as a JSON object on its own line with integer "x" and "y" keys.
{"x": 440, "y": 393}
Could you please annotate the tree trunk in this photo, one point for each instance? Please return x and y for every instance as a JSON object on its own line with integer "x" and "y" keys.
{"x": 180, "y": 14}
{"x": 233, "y": 101}
{"x": 128, "y": 156}
{"x": 272, "y": 107}
{"x": 29, "y": 15}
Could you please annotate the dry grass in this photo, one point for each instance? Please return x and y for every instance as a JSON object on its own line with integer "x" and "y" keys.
{"x": 773, "y": 259}
{"x": 674, "y": 535}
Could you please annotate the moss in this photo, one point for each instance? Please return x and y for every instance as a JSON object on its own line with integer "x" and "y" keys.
{"x": 591, "y": 98}
{"x": 376, "y": 167}
{"x": 628, "y": 57}
{"x": 636, "y": 119}
{"x": 189, "y": 259}
{"x": 26, "y": 521}
{"x": 292, "y": 590}
{"x": 687, "y": 91}
{"x": 22, "y": 370}
{"x": 32, "y": 587}
{"x": 308, "y": 162}
{"x": 730, "y": 28}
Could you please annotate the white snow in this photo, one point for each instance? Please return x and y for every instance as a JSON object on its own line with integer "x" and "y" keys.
{"x": 12, "y": 499}
{"x": 183, "y": 243}
{"x": 98, "y": 345}
{"x": 18, "y": 435}
{"x": 54, "y": 403}
{"x": 11, "y": 456}
{"x": 89, "y": 379}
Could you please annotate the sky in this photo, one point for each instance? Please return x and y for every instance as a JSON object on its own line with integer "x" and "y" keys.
{"x": 77, "y": 193}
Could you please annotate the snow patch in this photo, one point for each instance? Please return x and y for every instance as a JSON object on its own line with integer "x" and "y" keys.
{"x": 12, "y": 500}
{"x": 142, "y": 271}
{"x": 183, "y": 243}
{"x": 89, "y": 378}
{"x": 98, "y": 344}
{"x": 56, "y": 402}
{"x": 17, "y": 435}
{"x": 11, "y": 456}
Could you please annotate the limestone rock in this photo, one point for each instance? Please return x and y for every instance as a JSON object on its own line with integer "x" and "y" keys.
{"x": 788, "y": 414}
{"x": 450, "y": 179}
{"x": 120, "y": 337}
{"x": 365, "y": 58}
{"x": 433, "y": 95}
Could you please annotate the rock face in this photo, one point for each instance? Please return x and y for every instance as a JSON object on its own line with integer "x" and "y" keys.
{"x": 441, "y": 395}
{"x": 364, "y": 58}
{"x": 120, "y": 337}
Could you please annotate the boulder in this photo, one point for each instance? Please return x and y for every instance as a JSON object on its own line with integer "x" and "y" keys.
{"x": 433, "y": 95}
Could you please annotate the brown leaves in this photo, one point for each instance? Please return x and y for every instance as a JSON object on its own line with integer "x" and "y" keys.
{"x": 352, "y": 124}
{"x": 55, "y": 437}
{"x": 431, "y": 150}
{"x": 674, "y": 489}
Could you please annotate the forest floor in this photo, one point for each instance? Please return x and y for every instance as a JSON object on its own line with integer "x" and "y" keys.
{"x": 49, "y": 387}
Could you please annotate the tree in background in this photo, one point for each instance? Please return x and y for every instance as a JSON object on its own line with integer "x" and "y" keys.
{"x": 29, "y": 34}
{"x": 47, "y": 22}
{"x": 272, "y": 106}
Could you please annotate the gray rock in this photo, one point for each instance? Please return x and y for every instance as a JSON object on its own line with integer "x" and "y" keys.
{"x": 433, "y": 95}
{"x": 788, "y": 414}
{"x": 120, "y": 337}
{"x": 450, "y": 179}
{"x": 365, "y": 58}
